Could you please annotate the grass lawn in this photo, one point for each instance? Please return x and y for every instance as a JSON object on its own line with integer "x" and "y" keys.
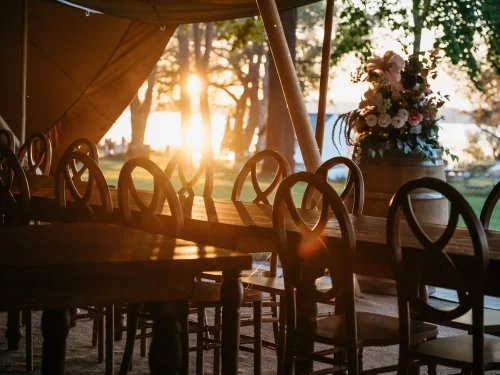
{"x": 225, "y": 176}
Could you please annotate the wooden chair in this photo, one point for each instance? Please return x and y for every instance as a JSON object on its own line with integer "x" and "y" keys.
{"x": 304, "y": 260}
{"x": 187, "y": 185}
{"x": 205, "y": 295}
{"x": 474, "y": 352}
{"x": 79, "y": 209}
{"x": 9, "y": 139}
{"x": 491, "y": 316}
{"x": 87, "y": 147}
{"x": 36, "y": 154}
{"x": 15, "y": 210}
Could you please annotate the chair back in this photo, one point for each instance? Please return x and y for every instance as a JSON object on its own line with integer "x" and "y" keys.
{"x": 206, "y": 167}
{"x": 305, "y": 256}
{"x": 82, "y": 206}
{"x": 87, "y": 147}
{"x": 9, "y": 139}
{"x": 489, "y": 206}
{"x": 38, "y": 153}
{"x": 413, "y": 270}
{"x": 13, "y": 209}
{"x": 146, "y": 218}
{"x": 354, "y": 180}
{"x": 250, "y": 167}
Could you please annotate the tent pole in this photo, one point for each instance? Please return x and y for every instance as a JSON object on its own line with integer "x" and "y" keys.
{"x": 325, "y": 70}
{"x": 290, "y": 84}
{"x": 24, "y": 73}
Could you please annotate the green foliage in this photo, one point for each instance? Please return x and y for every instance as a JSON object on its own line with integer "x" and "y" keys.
{"x": 461, "y": 27}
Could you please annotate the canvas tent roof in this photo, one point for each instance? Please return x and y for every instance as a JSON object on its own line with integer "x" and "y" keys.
{"x": 83, "y": 71}
{"x": 182, "y": 11}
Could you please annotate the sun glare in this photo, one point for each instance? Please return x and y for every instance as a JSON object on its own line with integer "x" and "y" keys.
{"x": 194, "y": 84}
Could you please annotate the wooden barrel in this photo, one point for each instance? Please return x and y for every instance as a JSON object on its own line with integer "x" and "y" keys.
{"x": 382, "y": 178}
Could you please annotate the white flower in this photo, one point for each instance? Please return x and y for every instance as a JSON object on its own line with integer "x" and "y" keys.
{"x": 396, "y": 61}
{"x": 371, "y": 120}
{"x": 384, "y": 120}
{"x": 417, "y": 129}
{"x": 397, "y": 122}
{"x": 371, "y": 99}
{"x": 403, "y": 114}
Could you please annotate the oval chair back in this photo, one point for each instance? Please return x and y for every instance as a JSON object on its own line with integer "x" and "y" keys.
{"x": 85, "y": 146}
{"x": 37, "y": 150}
{"x": 9, "y": 139}
{"x": 305, "y": 256}
{"x": 489, "y": 206}
{"x": 187, "y": 189}
{"x": 145, "y": 217}
{"x": 250, "y": 168}
{"x": 13, "y": 209}
{"x": 81, "y": 208}
{"x": 354, "y": 181}
{"x": 413, "y": 271}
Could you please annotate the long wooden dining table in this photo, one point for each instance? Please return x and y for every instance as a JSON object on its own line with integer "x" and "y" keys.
{"x": 60, "y": 266}
{"x": 240, "y": 225}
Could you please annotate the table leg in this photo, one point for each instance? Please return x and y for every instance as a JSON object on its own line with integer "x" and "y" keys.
{"x": 13, "y": 333}
{"x": 55, "y": 328}
{"x": 110, "y": 342}
{"x": 307, "y": 315}
{"x": 231, "y": 299}
{"x": 165, "y": 352}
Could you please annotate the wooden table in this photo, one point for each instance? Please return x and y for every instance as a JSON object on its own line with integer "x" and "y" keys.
{"x": 226, "y": 224}
{"x": 59, "y": 266}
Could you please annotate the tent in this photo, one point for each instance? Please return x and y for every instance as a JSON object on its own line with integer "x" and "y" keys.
{"x": 83, "y": 69}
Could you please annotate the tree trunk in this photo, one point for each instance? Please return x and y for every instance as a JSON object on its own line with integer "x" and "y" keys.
{"x": 280, "y": 133}
{"x": 139, "y": 112}
{"x": 203, "y": 64}
{"x": 184, "y": 72}
{"x": 254, "y": 111}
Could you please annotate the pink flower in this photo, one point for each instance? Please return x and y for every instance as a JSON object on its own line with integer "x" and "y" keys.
{"x": 415, "y": 117}
{"x": 427, "y": 89}
{"x": 426, "y": 113}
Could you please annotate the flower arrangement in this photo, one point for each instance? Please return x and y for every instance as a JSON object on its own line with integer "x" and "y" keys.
{"x": 399, "y": 111}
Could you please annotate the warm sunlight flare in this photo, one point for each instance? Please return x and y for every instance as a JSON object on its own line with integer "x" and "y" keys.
{"x": 194, "y": 84}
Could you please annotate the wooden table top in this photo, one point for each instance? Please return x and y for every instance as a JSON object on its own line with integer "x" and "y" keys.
{"x": 64, "y": 265}
{"x": 248, "y": 227}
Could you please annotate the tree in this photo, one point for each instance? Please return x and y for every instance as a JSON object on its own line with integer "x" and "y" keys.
{"x": 139, "y": 112}
{"x": 461, "y": 28}
{"x": 487, "y": 114}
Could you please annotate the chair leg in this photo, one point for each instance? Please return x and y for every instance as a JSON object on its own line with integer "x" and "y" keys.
{"x": 143, "y": 343}
{"x": 132, "y": 322}
{"x": 274, "y": 311}
{"x": 352, "y": 361}
{"x": 217, "y": 336}
{"x": 257, "y": 355}
{"x": 29, "y": 340}
{"x": 280, "y": 351}
{"x": 360, "y": 359}
{"x": 95, "y": 332}
{"x": 110, "y": 342}
{"x": 100, "y": 337}
{"x": 184, "y": 338}
{"x": 199, "y": 342}
{"x": 288, "y": 362}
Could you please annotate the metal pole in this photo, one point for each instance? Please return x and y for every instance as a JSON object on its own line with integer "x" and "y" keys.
{"x": 325, "y": 70}
{"x": 290, "y": 84}
{"x": 24, "y": 67}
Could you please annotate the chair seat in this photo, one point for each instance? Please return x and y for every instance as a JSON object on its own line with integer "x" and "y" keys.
{"x": 273, "y": 285}
{"x": 491, "y": 321}
{"x": 217, "y": 275}
{"x": 206, "y": 294}
{"x": 457, "y": 351}
{"x": 373, "y": 330}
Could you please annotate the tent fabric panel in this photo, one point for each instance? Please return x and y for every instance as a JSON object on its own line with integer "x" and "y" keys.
{"x": 113, "y": 87}
{"x": 66, "y": 51}
{"x": 182, "y": 11}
